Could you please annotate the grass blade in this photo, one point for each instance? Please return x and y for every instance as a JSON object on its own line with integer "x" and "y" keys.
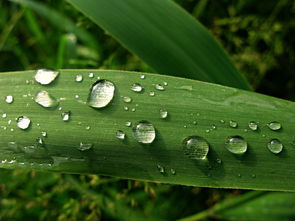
{"x": 185, "y": 100}
{"x": 165, "y": 37}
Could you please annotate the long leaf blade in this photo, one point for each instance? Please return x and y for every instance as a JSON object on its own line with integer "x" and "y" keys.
{"x": 165, "y": 37}
{"x": 185, "y": 100}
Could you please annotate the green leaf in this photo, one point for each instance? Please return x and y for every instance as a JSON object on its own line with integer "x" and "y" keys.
{"x": 194, "y": 108}
{"x": 165, "y": 37}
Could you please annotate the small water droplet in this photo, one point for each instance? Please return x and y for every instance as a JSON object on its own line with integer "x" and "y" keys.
{"x": 159, "y": 87}
{"x": 165, "y": 83}
{"x": 44, "y": 99}
{"x": 91, "y": 75}
{"x": 144, "y": 132}
{"x": 79, "y": 78}
{"x": 136, "y": 87}
{"x": 128, "y": 123}
{"x": 218, "y": 161}
{"x": 275, "y": 146}
{"x": 87, "y": 127}
{"x": 127, "y": 99}
{"x": 65, "y": 116}
{"x": 222, "y": 121}
{"x": 39, "y": 141}
{"x": 4, "y": 115}
{"x": 239, "y": 175}
{"x": 253, "y": 125}
{"x": 45, "y": 76}
{"x": 120, "y": 135}
{"x": 101, "y": 94}
{"x": 23, "y": 122}
{"x": 253, "y": 176}
{"x": 173, "y": 171}
{"x": 85, "y": 146}
{"x": 152, "y": 93}
{"x": 233, "y": 124}
{"x": 77, "y": 96}
{"x": 126, "y": 108}
{"x": 207, "y": 131}
{"x": 161, "y": 169}
{"x": 195, "y": 122}
{"x": 214, "y": 127}
{"x": 163, "y": 113}
{"x": 274, "y": 125}
{"x": 44, "y": 134}
{"x": 9, "y": 99}
{"x": 133, "y": 109}
{"x": 195, "y": 147}
{"x": 142, "y": 76}
{"x": 236, "y": 145}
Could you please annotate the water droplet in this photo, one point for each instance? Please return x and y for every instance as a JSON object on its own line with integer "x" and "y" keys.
{"x": 274, "y": 125}
{"x": 44, "y": 99}
{"x": 45, "y": 76}
{"x": 142, "y": 76}
{"x": 101, "y": 94}
{"x": 87, "y": 127}
{"x": 126, "y": 108}
{"x": 85, "y": 146}
{"x": 239, "y": 175}
{"x": 9, "y": 99}
{"x": 44, "y": 134}
{"x": 236, "y": 144}
{"x": 152, "y": 93}
{"x": 127, "y": 99}
{"x": 222, "y": 121}
{"x": 161, "y": 169}
{"x": 91, "y": 75}
{"x": 39, "y": 141}
{"x": 233, "y": 123}
{"x": 65, "y": 116}
{"x": 275, "y": 146}
{"x": 253, "y": 125}
{"x": 133, "y": 109}
{"x": 159, "y": 87}
{"x": 218, "y": 161}
{"x": 173, "y": 171}
{"x": 128, "y": 123}
{"x": 23, "y": 122}
{"x": 195, "y": 147}
{"x": 144, "y": 132}
{"x": 4, "y": 115}
{"x": 195, "y": 122}
{"x": 120, "y": 135}
{"x": 77, "y": 96}
{"x": 165, "y": 83}
{"x": 163, "y": 113}
{"x": 79, "y": 78}
{"x": 213, "y": 126}
{"x": 136, "y": 87}
{"x": 253, "y": 176}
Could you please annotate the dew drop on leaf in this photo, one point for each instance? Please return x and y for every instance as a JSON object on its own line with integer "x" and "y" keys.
{"x": 91, "y": 75}
{"x": 144, "y": 132}
{"x": 275, "y": 146}
{"x": 120, "y": 135}
{"x": 23, "y": 122}
{"x": 236, "y": 145}
{"x": 79, "y": 78}
{"x": 4, "y": 115}
{"x": 85, "y": 146}
{"x": 152, "y": 93}
{"x": 173, "y": 171}
{"x": 45, "y": 76}
{"x": 9, "y": 99}
{"x": 128, "y": 123}
{"x": 44, "y": 99}
{"x": 159, "y": 87}
{"x": 253, "y": 125}
{"x": 161, "y": 169}
{"x": 142, "y": 76}
{"x": 195, "y": 147}
{"x": 274, "y": 125}
{"x": 101, "y": 94}
{"x": 163, "y": 113}
{"x": 233, "y": 124}
{"x": 127, "y": 99}
{"x": 65, "y": 116}
{"x": 44, "y": 134}
{"x": 136, "y": 87}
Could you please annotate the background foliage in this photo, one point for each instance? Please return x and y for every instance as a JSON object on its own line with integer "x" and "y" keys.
{"x": 259, "y": 36}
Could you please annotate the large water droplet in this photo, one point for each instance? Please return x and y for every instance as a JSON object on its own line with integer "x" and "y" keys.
{"x": 144, "y": 132}
{"x": 275, "y": 146}
{"x": 253, "y": 125}
{"x": 163, "y": 113}
{"x": 274, "y": 125}
{"x": 65, "y": 116}
{"x": 9, "y": 99}
{"x": 45, "y": 76}
{"x": 136, "y": 87}
{"x": 195, "y": 147}
{"x": 85, "y": 146}
{"x": 236, "y": 144}
{"x": 23, "y": 122}
{"x": 101, "y": 94}
{"x": 44, "y": 99}
{"x": 120, "y": 135}
{"x": 233, "y": 123}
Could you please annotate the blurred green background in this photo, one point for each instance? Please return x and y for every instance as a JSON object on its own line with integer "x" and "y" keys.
{"x": 259, "y": 36}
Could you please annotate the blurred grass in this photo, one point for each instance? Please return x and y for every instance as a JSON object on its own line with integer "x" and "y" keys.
{"x": 259, "y": 36}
